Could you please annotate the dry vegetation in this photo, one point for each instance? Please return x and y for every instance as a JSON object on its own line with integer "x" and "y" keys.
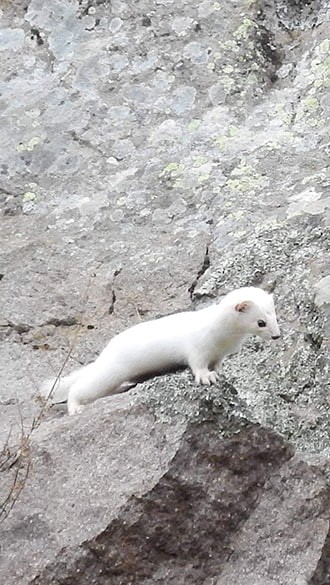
{"x": 15, "y": 460}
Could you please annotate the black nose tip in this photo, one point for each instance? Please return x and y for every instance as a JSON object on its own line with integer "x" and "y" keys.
{"x": 276, "y": 336}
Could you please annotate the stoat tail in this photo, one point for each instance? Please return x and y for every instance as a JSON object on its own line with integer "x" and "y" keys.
{"x": 57, "y": 389}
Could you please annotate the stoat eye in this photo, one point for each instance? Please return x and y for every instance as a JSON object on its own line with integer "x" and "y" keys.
{"x": 261, "y": 323}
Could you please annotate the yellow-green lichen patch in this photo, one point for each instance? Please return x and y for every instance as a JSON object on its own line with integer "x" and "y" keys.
{"x": 194, "y": 124}
{"x": 307, "y": 107}
{"x": 222, "y": 141}
{"x": 281, "y": 112}
{"x": 239, "y": 185}
{"x": 202, "y": 178}
{"x": 243, "y": 31}
{"x": 229, "y": 46}
{"x": 29, "y": 196}
{"x": 173, "y": 169}
{"x": 211, "y": 66}
{"x": 193, "y": 171}
{"x": 316, "y": 77}
{"x": 245, "y": 179}
{"x": 30, "y": 145}
{"x": 228, "y": 69}
{"x": 198, "y": 161}
{"x": 233, "y": 131}
{"x": 320, "y": 66}
{"x": 228, "y": 83}
{"x": 237, "y": 214}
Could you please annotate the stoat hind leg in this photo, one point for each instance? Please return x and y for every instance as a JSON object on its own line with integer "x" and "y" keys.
{"x": 101, "y": 380}
{"x": 74, "y": 406}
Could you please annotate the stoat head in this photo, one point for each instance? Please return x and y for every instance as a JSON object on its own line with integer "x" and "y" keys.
{"x": 255, "y": 312}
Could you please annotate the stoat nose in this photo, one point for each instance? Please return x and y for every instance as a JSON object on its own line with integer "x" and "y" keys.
{"x": 276, "y": 336}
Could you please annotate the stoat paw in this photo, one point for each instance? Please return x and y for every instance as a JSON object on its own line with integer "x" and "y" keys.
{"x": 75, "y": 408}
{"x": 206, "y": 377}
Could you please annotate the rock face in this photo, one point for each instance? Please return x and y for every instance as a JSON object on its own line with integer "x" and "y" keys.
{"x": 155, "y": 155}
{"x": 131, "y": 498}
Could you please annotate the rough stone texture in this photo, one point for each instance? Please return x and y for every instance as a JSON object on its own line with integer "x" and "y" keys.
{"x": 155, "y": 155}
{"x": 208, "y": 494}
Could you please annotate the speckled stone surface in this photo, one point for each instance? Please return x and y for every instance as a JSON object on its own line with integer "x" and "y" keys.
{"x": 153, "y": 156}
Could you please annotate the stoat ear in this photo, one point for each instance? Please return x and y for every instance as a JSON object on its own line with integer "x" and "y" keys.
{"x": 242, "y": 307}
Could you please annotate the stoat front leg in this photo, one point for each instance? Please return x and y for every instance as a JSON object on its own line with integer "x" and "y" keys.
{"x": 205, "y": 376}
{"x": 199, "y": 363}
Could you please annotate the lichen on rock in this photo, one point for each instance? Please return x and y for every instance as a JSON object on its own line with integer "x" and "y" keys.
{"x": 154, "y": 156}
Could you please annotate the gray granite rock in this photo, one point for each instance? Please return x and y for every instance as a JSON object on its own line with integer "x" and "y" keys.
{"x": 120, "y": 494}
{"x": 155, "y": 155}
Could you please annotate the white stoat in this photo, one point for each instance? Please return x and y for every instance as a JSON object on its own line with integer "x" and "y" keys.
{"x": 198, "y": 339}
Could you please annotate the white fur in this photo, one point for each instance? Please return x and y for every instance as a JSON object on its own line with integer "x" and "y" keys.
{"x": 198, "y": 339}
